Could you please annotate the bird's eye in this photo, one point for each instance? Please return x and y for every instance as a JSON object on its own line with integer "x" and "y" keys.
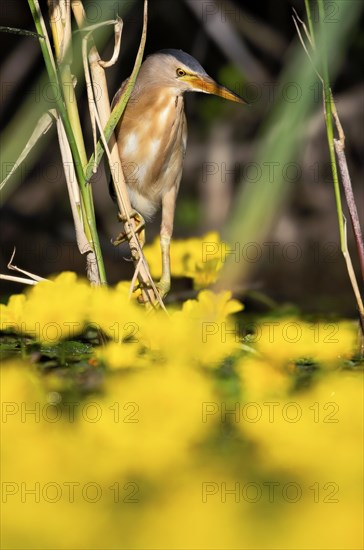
{"x": 180, "y": 72}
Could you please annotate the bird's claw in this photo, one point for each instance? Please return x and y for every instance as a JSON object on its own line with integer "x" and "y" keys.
{"x": 162, "y": 287}
{"x": 125, "y": 236}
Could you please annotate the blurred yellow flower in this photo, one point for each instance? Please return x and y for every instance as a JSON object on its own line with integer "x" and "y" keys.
{"x": 150, "y": 420}
{"x": 315, "y": 438}
{"x": 11, "y": 315}
{"x": 170, "y": 455}
{"x": 262, "y": 380}
{"x": 211, "y": 306}
{"x": 138, "y": 466}
{"x": 201, "y": 258}
{"x": 120, "y": 355}
{"x": 200, "y": 334}
{"x": 315, "y": 431}
{"x": 282, "y": 341}
{"x": 111, "y": 310}
{"x": 56, "y": 309}
{"x": 43, "y": 468}
{"x": 194, "y": 513}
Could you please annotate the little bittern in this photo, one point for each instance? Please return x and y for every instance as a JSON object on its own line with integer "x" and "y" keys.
{"x": 152, "y": 135}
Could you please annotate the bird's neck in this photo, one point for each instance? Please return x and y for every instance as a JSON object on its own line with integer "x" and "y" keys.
{"x": 147, "y": 85}
{"x": 154, "y": 99}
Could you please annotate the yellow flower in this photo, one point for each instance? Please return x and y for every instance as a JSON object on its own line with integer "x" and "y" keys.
{"x": 282, "y": 341}
{"x": 199, "y": 258}
{"x": 262, "y": 379}
{"x": 211, "y": 306}
{"x": 201, "y": 334}
{"x": 11, "y": 315}
{"x": 43, "y": 468}
{"x": 213, "y": 334}
{"x": 124, "y": 288}
{"x": 120, "y": 356}
{"x": 111, "y": 310}
{"x": 315, "y": 431}
{"x": 58, "y": 309}
{"x": 194, "y": 512}
{"x": 310, "y": 445}
{"x": 150, "y": 420}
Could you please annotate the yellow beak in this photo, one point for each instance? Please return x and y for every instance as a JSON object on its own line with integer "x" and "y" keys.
{"x": 207, "y": 85}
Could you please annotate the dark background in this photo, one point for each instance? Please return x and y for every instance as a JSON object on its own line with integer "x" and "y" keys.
{"x": 242, "y": 45}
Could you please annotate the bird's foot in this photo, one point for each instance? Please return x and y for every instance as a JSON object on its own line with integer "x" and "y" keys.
{"x": 162, "y": 287}
{"x": 125, "y": 236}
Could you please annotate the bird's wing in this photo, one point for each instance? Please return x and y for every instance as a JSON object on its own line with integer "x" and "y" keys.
{"x": 119, "y": 93}
{"x": 113, "y": 103}
{"x": 184, "y": 134}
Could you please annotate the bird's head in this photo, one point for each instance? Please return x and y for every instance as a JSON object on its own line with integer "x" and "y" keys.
{"x": 177, "y": 69}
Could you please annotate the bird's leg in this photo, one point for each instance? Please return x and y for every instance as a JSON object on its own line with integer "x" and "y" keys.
{"x": 168, "y": 208}
{"x": 124, "y": 236}
{"x": 165, "y": 282}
